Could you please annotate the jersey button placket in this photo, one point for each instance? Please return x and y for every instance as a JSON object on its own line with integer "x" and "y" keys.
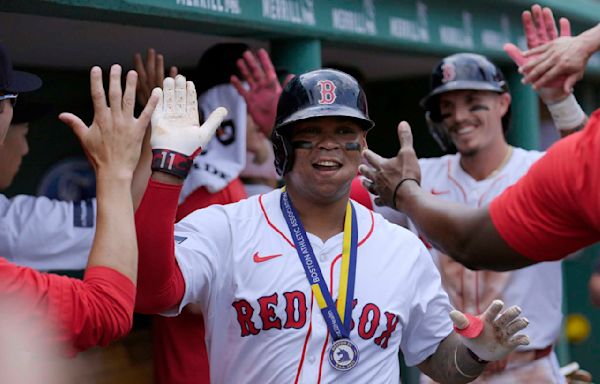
{"x": 310, "y": 371}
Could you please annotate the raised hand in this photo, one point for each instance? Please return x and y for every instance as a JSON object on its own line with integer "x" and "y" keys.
{"x": 263, "y": 88}
{"x": 492, "y": 335}
{"x": 151, "y": 74}
{"x": 564, "y": 58}
{"x": 540, "y": 30}
{"x": 176, "y": 132}
{"x": 113, "y": 141}
{"x": 383, "y": 177}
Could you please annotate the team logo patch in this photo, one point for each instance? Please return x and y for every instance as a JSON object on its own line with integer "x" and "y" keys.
{"x": 327, "y": 89}
{"x": 448, "y": 72}
{"x": 343, "y": 355}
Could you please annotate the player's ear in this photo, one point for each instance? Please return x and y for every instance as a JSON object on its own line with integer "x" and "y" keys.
{"x": 504, "y": 102}
{"x": 363, "y": 141}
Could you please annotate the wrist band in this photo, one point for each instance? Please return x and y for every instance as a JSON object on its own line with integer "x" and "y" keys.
{"x": 458, "y": 368}
{"x": 567, "y": 113}
{"x": 398, "y": 187}
{"x": 476, "y": 358}
{"x": 171, "y": 162}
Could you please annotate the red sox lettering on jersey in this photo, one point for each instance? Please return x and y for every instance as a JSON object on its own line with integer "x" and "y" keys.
{"x": 327, "y": 89}
{"x": 254, "y": 301}
{"x": 295, "y": 317}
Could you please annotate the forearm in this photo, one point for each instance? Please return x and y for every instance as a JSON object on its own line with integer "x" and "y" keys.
{"x": 160, "y": 283}
{"x": 114, "y": 244}
{"x": 464, "y": 233}
{"x": 105, "y": 300}
{"x": 576, "y": 128}
{"x": 142, "y": 172}
{"x": 567, "y": 114}
{"x": 452, "y": 363}
{"x": 591, "y": 39}
{"x": 448, "y": 226}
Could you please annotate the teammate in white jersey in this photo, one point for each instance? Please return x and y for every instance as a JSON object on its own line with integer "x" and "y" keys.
{"x": 267, "y": 271}
{"x": 468, "y": 109}
{"x": 38, "y": 232}
{"x": 470, "y": 97}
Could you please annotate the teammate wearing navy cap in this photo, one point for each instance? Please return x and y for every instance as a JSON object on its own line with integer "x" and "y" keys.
{"x": 99, "y": 308}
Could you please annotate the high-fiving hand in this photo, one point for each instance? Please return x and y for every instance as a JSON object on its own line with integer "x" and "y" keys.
{"x": 263, "y": 90}
{"x": 384, "y": 177}
{"x": 151, "y": 73}
{"x": 540, "y": 30}
{"x": 492, "y": 335}
{"x": 177, "y": 135}
{"x": 113, "y": 141}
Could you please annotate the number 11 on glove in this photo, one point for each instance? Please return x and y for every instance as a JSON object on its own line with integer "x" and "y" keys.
{"x": 177, "y": 136}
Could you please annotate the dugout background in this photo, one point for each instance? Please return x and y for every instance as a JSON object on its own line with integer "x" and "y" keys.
{"x": 395, "y": 43}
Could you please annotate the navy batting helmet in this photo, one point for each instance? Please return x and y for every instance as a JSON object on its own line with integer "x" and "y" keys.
{"x": 461, "y": 71}
{"x": 320, "y": 93}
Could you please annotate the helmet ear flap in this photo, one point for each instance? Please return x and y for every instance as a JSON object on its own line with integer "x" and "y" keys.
{"x": 283, "y": 151}
{"x": 438, "y": 132}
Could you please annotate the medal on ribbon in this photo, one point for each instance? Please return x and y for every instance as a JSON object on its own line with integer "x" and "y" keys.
{"x": 343, "y": 354}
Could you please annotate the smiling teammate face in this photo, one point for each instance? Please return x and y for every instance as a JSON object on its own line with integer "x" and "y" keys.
{"x": 473, "y": 119}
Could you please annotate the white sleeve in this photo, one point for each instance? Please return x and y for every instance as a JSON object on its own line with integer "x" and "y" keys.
{"x": 429, "y": 322}
{"x": 46, "y": 234}
{"x": 203, "y": 244}
{"x": 391, "y": 215}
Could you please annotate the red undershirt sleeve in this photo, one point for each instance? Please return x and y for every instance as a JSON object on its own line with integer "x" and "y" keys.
{"x": 95, "y": 311}
{"x": 83, "y": 314}
{"x": 548, "y": 213}
{"x": 160, "y": 283}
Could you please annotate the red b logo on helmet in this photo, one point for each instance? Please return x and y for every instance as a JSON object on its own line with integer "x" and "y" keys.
{"x": 327, "y": 92}
{"x": 448, "y": 72}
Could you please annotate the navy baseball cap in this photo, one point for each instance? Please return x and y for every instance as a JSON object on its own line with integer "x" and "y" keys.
{"x": 12, "y": 81}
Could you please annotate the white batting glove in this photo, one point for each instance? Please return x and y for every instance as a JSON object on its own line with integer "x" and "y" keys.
{"x": 489, "y": 336}
{"x": 177, "y": 136}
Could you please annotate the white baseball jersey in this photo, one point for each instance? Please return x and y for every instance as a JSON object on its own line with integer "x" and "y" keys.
{"x": 46, "y": 234}
{"x": 263, "y": 324}
{"x": 536, "y": 289}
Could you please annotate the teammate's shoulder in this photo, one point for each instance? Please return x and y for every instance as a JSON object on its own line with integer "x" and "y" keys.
{"x": 436, "y": 162}
{"x": 393, "y": 231}
{"x": 528, "y": 156}
{"x": 528, "y": 153}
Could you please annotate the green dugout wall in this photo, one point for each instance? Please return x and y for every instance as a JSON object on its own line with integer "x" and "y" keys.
{"x": 394, "y": 42}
